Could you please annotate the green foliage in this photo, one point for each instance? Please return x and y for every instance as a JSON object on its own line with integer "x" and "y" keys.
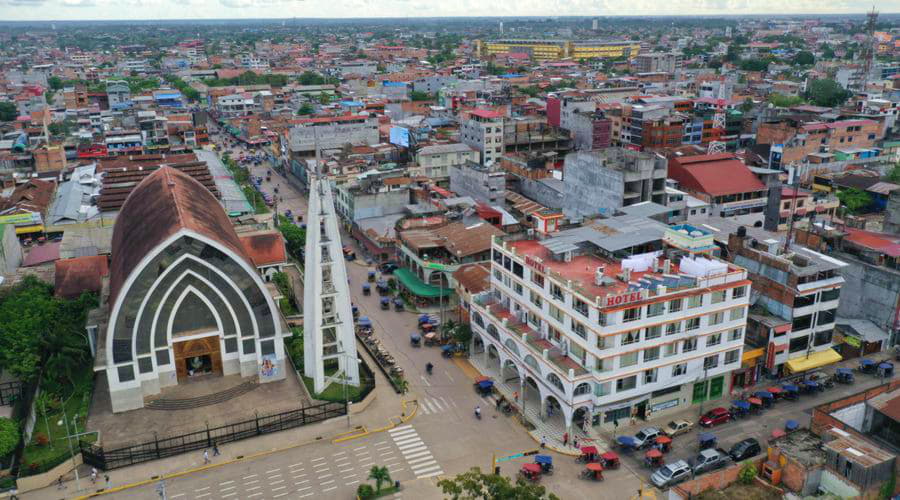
{"x": 733, "y": 54}
{"x": 295, "y": 347}
{"x": 313, "y": 78}
{"x": 186, "y": 90}
{"x": 530, "y": 91}
{"x": 828, "y": 93}
{"x": 420, "y": 96}
{"x": 827, "y": 52}
{"x": 747, "y": 473}
{"x": 854, "y": 199}
{"x": 55, "y": 82}
{"x": 248, "y": 78}
{"x": 294, "y": 235}
{"x": 365, "y": 491}
{"x": 887, "y": 489}
{"x": 283, "y": 282}
{"x": 8, "y": 111}
{"x": 754, "y": 64}
{"x": 380, "y": 475}
{"x": 785, "y": 101}
{"x": 306, "y": 109}
{"x": 37, "y": 328}
{"x": 747, "y": 105}
{"x": 137, "y": 85}
{"x": 462, "y": 334}
{"x": 804, "y": 58}
{"x": 474, "y": 484}
{"x": 894, "y": 174}
{"x": 9, "y": 436}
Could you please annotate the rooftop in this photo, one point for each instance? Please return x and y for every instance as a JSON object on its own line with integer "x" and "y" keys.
{"x": 802, "y": 446}
{"x": 716, "y": 175}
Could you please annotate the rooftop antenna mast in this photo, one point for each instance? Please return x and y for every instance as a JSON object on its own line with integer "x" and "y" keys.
{"x": 868, "y": 52}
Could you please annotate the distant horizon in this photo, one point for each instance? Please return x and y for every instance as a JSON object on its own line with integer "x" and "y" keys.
{"x": 148, "y": 11}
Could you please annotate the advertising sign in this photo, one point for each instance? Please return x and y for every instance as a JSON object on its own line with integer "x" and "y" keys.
{"x": 268, "y": 369}
{"x": 625, "y": 298}
{"x": 399, "y": 136}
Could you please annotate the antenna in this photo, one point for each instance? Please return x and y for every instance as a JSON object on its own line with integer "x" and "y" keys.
{"x": 868, "y": 52}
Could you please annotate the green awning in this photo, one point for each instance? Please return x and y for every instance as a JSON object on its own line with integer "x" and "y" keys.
{"x": 418, "y": 287}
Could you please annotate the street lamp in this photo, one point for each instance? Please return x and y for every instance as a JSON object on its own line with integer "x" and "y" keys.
{"x": 65, "y": 420}
{"x": 349, "y": 359}
{"x": 705, "y": 389}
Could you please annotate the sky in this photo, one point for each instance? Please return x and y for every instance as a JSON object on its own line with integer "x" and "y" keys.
{"x": 12, "y": 10}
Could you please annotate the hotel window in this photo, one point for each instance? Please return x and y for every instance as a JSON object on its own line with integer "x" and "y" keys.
{"x": 627, "y": 383}
{"x": 799, "y": 344}
{"x": 579, "y": 329}
{"x": 631, "y": 337}
{"x": 804, "y": 300}
{"x": 732, "y": 356}
{"x": 689, "y": 344}
{"x": 832, "y": 294}
{"x": 650, "y": 375}
{"x": 718, "y": 296}
{"x": 651, "y": 354}
{"x": 498, "y": 275}
{"x": 536, "y": 298}
{"x": 603, "y": 389}
{"x": 714, "y": 339}
{"x": 556, "y": 291}
{"x": 673, "y": 328}
{"x": 656, "y": 309}
{"x": 602, "y": 319}
{"x": 670, "y": 349}
{"x": 715, "y": 318}
{"x": 632, "y": 314}
{"x": 653, "y": 332}
{"x": 554, "y": 334}
{"x": 517, "y": 287}
{"x": 738, "y": 292}
{"x": 602, "y": 343}
{"x": 555, "y": 313}
{"x": 826, "y": 317}
{"x": 580, "y": 306}
{"x": 823, "y": 338}
{"x": 629, "y": 359}
{"x": 710, "y": 362}
{"x": 518, "y": 270}
{"x": 735, "y": 334}
{"x": 537, "y": 279}
{"x": 736, "y": 313}
{"x": 692, "y": 324}
{"x": 679, "y": 369}
{"x": 534, "y": 319}
{"x": 695, "y": 301}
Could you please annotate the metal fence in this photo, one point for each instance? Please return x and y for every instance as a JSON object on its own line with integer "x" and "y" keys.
{"x": 206, "y": 438}
{"x": 10, "y": 392}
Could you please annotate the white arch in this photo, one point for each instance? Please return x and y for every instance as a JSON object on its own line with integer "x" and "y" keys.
{"x": 191, "y": 289}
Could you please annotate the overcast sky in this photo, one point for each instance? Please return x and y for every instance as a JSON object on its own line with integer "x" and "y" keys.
{"x": 11, "y": 10}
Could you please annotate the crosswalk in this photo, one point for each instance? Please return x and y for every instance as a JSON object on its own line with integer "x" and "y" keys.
{"x": 415, "y": 452}
{"x": 433, "y": 405}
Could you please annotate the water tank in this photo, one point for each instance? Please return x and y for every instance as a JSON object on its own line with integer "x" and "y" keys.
{"x": 742, "y": 232}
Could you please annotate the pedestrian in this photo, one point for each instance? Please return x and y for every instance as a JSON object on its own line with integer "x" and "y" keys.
{"x": 516, "y": 396}
{"x": 94, "y": 475}
{"x": 543, "y": 441}
{"x": 565, "y": 438}
{"x": 216, "y": 450}
{"x": 632, "y": 420}
{"x": 59, "y": 483}
{"x": 205, "y": 457}
{"x": 575, "y": 443}
{"x": 106, "y": 477}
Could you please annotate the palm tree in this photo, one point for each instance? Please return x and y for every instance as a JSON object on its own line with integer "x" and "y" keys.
{"x": 380, "y": 475}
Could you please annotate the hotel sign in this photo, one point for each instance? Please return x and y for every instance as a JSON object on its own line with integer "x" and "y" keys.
{"x": 625, "y": 298}
{"x": 534, "y": 263}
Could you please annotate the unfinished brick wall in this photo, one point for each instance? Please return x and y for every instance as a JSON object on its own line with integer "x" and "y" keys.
{"x": 719, "y": 480}
{"x": 821, "y": 415}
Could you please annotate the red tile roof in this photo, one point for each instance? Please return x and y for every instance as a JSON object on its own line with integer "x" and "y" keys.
{"x": 884, "y": 243}
{"x": 716, "y": 175}
{"x": 80, "y": 274}
{"x": 42, "y": 254}
{"x": 265, "y": 248}
{"x": 484, "y": 113}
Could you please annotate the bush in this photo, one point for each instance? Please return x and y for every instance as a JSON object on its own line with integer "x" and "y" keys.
{"x": 747, "y": 473}
{"x": 41, "y": 439}
{"x": 9, "y": 436}
{"x": 365, "y": 491}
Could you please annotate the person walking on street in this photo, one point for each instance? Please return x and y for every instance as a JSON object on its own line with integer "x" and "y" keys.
{"x": 543, "y": 441}
{"x": 575, "y": 443}
{"x": 205, "y": 457}
{"x": 59, "y": 483}
{"x": 565, "y": 438}
{"x": 94, "y": 475}
{"x": 216, "y": 450}
{"x": 106, "y": 477}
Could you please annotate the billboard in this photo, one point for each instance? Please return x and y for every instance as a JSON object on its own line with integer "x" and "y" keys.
{"x": 400, "y": 136}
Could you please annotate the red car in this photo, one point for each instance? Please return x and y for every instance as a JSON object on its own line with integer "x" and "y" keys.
{"x": 715, "y": 416}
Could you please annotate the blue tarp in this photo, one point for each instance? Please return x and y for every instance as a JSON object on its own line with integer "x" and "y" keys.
{"x": 790, "y": 387}
{"x": 741, "y": 404}
{"x": 791, "y": 425}
{"x": 543, "y": 459}
{"x": 763, "y": 394}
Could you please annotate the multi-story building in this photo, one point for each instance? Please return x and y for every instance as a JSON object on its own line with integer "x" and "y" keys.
{"x": 724, "y": 182}
{"x": 485, "y": 184}
{"x": 585, "y": 324}
{"x": 793, "y": 318}
{"x": 119, "y": 94}
{"x": 483, "y": 131}
{"x": 547, "y": 49}
{"x": 434, "y": 161}
{"x": 653, "y": 62}
{"x": 330, "y": 132}
{"x": 799, "y": 139}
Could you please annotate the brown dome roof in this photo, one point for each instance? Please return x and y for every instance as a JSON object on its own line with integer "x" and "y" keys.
{"x": 163, "y": 203}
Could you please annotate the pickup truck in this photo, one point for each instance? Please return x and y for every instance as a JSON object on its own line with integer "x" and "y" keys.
{"x": 710, "y": 459}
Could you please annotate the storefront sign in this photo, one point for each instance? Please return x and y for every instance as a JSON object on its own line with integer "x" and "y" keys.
{"x": 664, "y": 405}
{"x": 625, "y": 298}
{"x": 855, "y": 342}
{"x": 435, "y": 266}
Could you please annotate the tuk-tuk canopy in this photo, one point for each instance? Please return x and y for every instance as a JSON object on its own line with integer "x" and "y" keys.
{"x": 398, "y": 302}
{"x": 706, "y": 437}
{"x": 755, "y": 401}
{"x": 485, "y": 384}
{"x": 777, "y": 433}
{"x": 609, "y": 456}
{"x": 653, "y": 453}
{"x": 594, "y": 467}
{"x": 763, "y": 394}
{"x": 415, "y": 336}
{"x": 791, "y": 425}
{"x": 811, "y": 383}
{"x": 663, "y": 440}
{"x": 866, "y": 362}
{"x": 844, "y": 371}
{"x": 447, "y": 348}
{"x": 775, "y": 390}
{"x": 366, "y": 286}
{"x": 886, "y": 366}
{"x": 364, "y": 321}
{"x": 385, "y": 300}
{"x": 744, "y": 405}
{"x": 535, "y": 468}
{"x": 790, "y": 387}
{"x": 543, "y": 459}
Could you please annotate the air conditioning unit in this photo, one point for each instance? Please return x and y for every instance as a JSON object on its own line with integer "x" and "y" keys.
{"x": 567, "y": 257}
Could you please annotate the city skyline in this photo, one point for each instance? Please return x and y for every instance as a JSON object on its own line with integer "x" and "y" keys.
{"x": 101, "y": 10}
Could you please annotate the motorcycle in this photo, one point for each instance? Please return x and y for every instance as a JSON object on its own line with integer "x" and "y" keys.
{"x": 478, "y": 413}
{"x": 429, "y": 367}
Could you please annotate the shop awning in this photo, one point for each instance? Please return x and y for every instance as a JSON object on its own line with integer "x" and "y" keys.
{"x": 418, "y": 287}
{"x": 816, "y": 360}
{"x": 750, "y": 355}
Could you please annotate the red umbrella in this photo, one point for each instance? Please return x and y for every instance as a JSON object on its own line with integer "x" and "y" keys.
{"x": 775, "y": 390}
{"x": 610, "y": 456}
{"x": 588, "y": 450}
{"x": 755, "y": 401}
{"x": 663, "y": 440}
{"x": 654, "y": 453}
{"x": 594, "y": 467}
{"x": 777, "y": 433}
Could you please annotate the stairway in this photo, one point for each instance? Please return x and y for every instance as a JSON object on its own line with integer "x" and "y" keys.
{"x": 206, "y": 400}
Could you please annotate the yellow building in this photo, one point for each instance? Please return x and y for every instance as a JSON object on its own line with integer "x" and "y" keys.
{"x": 543, "y": 49}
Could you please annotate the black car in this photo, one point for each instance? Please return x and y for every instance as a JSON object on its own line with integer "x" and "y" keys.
{"x": 745, "y": 449}
{"x": 388, "y": 268}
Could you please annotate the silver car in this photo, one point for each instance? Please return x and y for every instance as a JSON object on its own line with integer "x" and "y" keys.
{"x": 671, "y": 474}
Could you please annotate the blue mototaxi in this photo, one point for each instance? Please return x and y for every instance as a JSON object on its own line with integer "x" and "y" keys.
{"x": 448, "y": 350}
{"x": 707, "y": 440}
{"x": 627, "y": 443}
{"x": 385, "y": 303}
{"x": 766, "y": 397}
{"x": 415, "y": 339}
{"x": 424, "y": 318}
{"x": 740, "y": 408}
{"x": 484, "y": 387}
{"x": 867, "y": 366}
{"x": 546, "y": 463}
{"x": 844, "y": 375}
{"x": 886, "y": 370}
{"x": 382, "y": 287}
{"x": 366, "y": 289}
{"x": 791, "y": 425}
{"x": 398, "y": 304}
{"x": 810, "y": 386}
{"x": 364, "y": 324}
{"x": 791, "y": 391}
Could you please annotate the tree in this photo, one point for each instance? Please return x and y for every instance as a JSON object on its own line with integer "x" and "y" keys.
{"x": 324, "y": 98}
{"x": 804, "y": 58}
{"x": 747, "y": 472}
{"x": 784, "y": 101}
{"x": 462, "y": 334}
{"x": 476, "y": 485}
{"x": 733, "y": 53}
{"x": 827, "y": 52}
{"x": 8, "y": 112}
{"x": 894, "y": 174}
{"x": 294, "y": 235}
{"x": 827, "y": 93}
{"x": 306, "y": 109}
{"x": 365, "y": 491}
{"x": 854, "y": 199}
{"x": 419, "y": 96}
{"x": 55, "y": 82}
{"x": 9, "y": 436}
{"x": 747, "y": 105}
{"x": 754, "y": 64}
{"x": 380, "y": 475}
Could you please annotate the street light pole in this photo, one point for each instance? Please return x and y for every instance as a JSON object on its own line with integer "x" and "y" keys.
{"x": 65, "y": 420}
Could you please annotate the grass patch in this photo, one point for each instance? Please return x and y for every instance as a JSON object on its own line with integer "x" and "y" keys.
{"x": 49, "y": 446}
{"x": 287, "y": 307}
{"x": 256, "y": 200}
{"x": 335, "y": 391}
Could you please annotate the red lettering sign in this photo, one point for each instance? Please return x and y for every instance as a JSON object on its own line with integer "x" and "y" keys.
{"x": 532, "y": 262}
{"x": 625, "y": 298}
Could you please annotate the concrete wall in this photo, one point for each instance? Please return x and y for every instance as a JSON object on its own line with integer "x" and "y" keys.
{"x": 590, "y": 187}
{"x": 378, "y": 204}
{"x": 869, "y": 292}
{"x": 542, "y": 193}
{"x": 481, "y": 184}
{"x": 38, "y": 481}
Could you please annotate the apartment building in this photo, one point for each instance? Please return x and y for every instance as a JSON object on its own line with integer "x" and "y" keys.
{"x": 799, "y": 138}
{"x": 332, "y": 132}
{"x": 658, "y": 62}
{"x": 792, "y": 321}
{"x": 548, "y": 49}
{"x": 485, "y": 184}
{"x": 724, "y": 182}
{"x": 598, "y": 334}
{"x": 435, "y": 161}
{"x": 119, "y": 94}
{"x": 483, "y": 131}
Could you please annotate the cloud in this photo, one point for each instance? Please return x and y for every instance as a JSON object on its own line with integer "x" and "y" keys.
{"x": 245, "y": 4}
{"x": 23, "y": 2}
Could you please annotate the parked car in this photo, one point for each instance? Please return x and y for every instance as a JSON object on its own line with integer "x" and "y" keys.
{"x": 677, "y": 427}
{"x": 745, "y": 449}
{"x": 671, "y": 474}
{"x": 646, "y": 437}
{"x": 388, "y": 267}
{"x": 709, "y": 459}
{"x": 715, "y": 416}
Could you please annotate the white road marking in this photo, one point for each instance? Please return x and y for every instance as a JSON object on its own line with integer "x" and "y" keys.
{"x": 406, "y": 447}
{"x": 327, "y": 482}
{"x": 360, "y": 448}
{"x": 254, "y": 488}
{"x": 271, "y": 471}
{"x": 299, "y": 476}
{"x": 306, "y": 495}
{"x": 294, "y": 465}
{"x": 416, "y": 454}
{"x": 387, "y": 447}
{"x": 226, "y": 483}
{"x": 348, "y": 477}
{"x": 251, "y": 476}
{"x": 427, "y": 384}
{"x": 324, "y": 476}
{"x": 448, "y": 375}
{"x": 329, "y": 489}
{"x": 426, "y": 470}
{"x": 177, "y": 495}
{"x": 444, "y": 401}
{"x": 279, "y": 488}
{"x": 366, "y": 464}
{"x": 229, "y": 495}
{"x": 304, "y": 488}
{"x": 398, "y": 429}
{"x": 202, "y": 489}
{"x": 339, "y": 453}
{"x": 345, "y": 470}
{"x": 254, "y": 495}
{"x": 201, "y": 495}
{"x": 381, "y": 442}
{"x": 351, "y": 483}
{"x": 419, "y": 460}
{"x": 274, "y": 476}
{"x": 393, "y": 463}
{"x": 317, "y": 459}
{"x": 251, "y": 482}
{"x": 405, "y": 432}
{"x": 277, "y": 482}
{"x": 386, "y": 454}
{"x": 280, "y": 494}
{"x": 414, "y": 439}
{"x": 228, "y": 488}
{"x": 396, "y": 470}
{"x": 430, "y": 474}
